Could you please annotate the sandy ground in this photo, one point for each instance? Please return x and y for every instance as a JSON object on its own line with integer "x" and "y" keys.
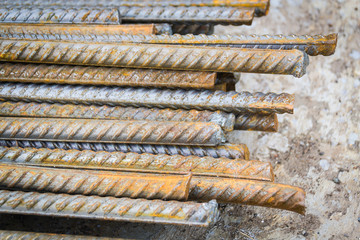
{"x": 316, "y": 148}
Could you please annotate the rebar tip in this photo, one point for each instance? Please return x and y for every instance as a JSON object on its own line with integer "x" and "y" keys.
{"x": 330, "y": 50}
{"x": 300, "y": 69}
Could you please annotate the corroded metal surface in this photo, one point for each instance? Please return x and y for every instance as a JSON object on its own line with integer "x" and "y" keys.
{"x": 17, "y": 235}
{"x": 113, "y": 131}
{"x": 66, "y": 74}
{"x": 235, "y": 102}
{"x": 220, "y": 59}
{"x": 214, "y": 15}
{"x": 193, "y": 29}
{"x": 257, "y": 122}
{"x": 91, "y": 182}
{"x": 46, "y": 110}
{"x": 59, "y": 15}
{"x": 162, "y": 163}
{"x": 259, "y": 193}
{"x": 108, "y": 208}
{"x": 75, "y": 31}
{"x": 230, "y": 151}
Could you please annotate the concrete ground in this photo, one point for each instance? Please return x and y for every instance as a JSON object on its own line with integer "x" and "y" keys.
{"x": 316, "y": 148}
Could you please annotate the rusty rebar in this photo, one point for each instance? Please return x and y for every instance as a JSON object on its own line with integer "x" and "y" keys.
{"x": 66, "y": 74}
{"x": 46, "y": 110}
{"x": 112, "y": 131}
{"x": 197, "y": 15}
{"x": 193, "y": 29}
{"x": 50, "y": 15}
{"x": 257, "y": 122}
{"x": 76, "y": 31}
{"x": 219, "y": 59}
{"x": 230, "y": 151}
{"x": 20, "y": 235}
{"x": 94, "y": 182}
{"x": 149, "y": 163}
{"x": 235, "y": 102}
{"x": 259, "y": 193}
{"x": 108, "y": 208}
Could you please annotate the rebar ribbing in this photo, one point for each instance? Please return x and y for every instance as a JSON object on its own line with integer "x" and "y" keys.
{"x": 159, "y": 56}
{"x": 193, "y": 29}
{"x": 233, "y": 102}
{"x": 74, "y": 31}
{"x": 17, "y": 235}
{"x": 162, "y": 163}
{"x": 197, "y": 15}
{"x": 109, "y": 208}
{"x": 45, "y": 110}
{"x": 230, "y": 151}
{"x": 50, "y": 15}
{"x": 66, "y": 74}
{"x": 112, "y": 131}
{"x": 257, "y": 122}
{"x": 248, "y": 192}
{"x": 94, "y": 182}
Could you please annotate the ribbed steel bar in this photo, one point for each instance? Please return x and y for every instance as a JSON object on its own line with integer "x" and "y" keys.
{"x": 259, "y": 193}
{"x": 235, "y": 102}
{"x": 197, "y": 15}
{"x": 231, "y": 151}
{"x": 109, "y": 208}
{"x": 193, "y": 29}
{"x": 257, "y": 122}
{"x": 112, "y": 131}
{"x": 66, "y": 74}
{"x": 74, "y": 31}
{"x": 219, "y": 59}
{"x": 17, "y": 235}
{"x": 50, "y": 15}
{"x": 162, "y": 163}
{"x": 46, "y": 110}
{"x": 94, "y": 182}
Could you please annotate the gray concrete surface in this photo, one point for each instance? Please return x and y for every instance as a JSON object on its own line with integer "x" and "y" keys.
{"x": 317, "y": 148}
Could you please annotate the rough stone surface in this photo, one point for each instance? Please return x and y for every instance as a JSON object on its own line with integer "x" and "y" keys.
{"x": 317, "y": 148}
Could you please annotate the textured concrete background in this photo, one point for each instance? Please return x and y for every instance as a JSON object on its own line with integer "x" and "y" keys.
{"x": 317, "y": 148}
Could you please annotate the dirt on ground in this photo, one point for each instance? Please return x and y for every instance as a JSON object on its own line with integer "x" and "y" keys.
{"x": 316, "y": 148}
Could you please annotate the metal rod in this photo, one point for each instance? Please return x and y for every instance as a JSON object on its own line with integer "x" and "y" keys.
{"x": 158, "y": 56}
{"x": 51, "y": 15}
{"x": 248, "y": 192}
{"x": 94, "y": 182}
{"x": 233, "y": 102}
{"x": 257, "y": 122}
{"x": 17, "y": 235}
{"x": 112, "y": 131}
{"x": 66, "y": 74}
{"x": 80, "y": 31}
{"x": 109, "y": 208}
{"x": 46, "y": 110}
{"x": 206, "y": 166}
{"x": 230, "y": 151}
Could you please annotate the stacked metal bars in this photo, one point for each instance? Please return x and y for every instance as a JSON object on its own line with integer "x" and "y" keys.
{"x": 82, "y": 130}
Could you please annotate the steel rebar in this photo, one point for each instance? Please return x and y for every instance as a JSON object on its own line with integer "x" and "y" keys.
{"x": 75, "y": 31}
{"x": 109, "y": 208}
{"x": 230, "y": 151}
{"x": 257, "y": 122}
{"x": 235, "y": 102}
{"x": 162, "y": 163}
{"x": 193, "y": 29}
{"x": 66, "y": 74}
{"x": 46, "y": 110}
{"x": 112, "y": 131}
{"x": 259, "y": 193}
{"x": 220, "y": 59}
{"x": 94, "y": 182}
{"x": 50, "y": 15}
{"x": 20, "y": 235}
{"x": 312, "y": 45}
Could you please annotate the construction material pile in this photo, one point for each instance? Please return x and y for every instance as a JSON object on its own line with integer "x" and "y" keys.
{"x": 110, "y": 121}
